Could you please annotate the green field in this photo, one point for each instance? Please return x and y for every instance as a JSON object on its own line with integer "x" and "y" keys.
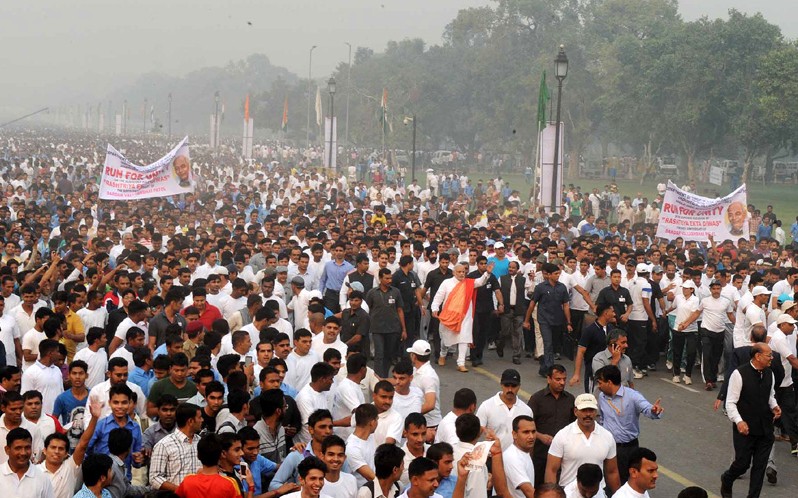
{"x": 780, "y": 196}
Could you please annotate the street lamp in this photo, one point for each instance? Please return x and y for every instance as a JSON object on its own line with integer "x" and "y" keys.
{"x": 560, "y": 72}
{"x": 413, "y": 161}
{"x": 331, "y": 89}
{"x": 310, "y": 86}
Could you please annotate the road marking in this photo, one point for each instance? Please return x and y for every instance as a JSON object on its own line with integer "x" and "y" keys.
{"x": 674, "y": 476}
{"x": 681, "y": 386}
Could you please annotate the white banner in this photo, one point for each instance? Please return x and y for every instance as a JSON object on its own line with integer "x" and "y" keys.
{"x": 169, "y": 175}
{"x": 546, "y": 148}
{"x": 693, "y": 217}
{"x": 716, "y": 175}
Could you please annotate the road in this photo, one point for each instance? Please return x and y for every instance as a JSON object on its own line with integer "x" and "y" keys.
{"x": 692, "y": 441}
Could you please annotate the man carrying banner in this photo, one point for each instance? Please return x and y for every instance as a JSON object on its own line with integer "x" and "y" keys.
{"x": 453, "y": 306}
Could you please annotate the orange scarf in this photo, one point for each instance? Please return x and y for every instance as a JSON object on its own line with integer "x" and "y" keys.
{"x": 456, "y": 306}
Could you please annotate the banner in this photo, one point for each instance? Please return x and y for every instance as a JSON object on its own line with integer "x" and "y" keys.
{"x": 169, "y": 175}
{"x": 693, "y": 217}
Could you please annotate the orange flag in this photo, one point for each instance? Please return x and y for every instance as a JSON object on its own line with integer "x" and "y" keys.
{"x": 246, "y": 109}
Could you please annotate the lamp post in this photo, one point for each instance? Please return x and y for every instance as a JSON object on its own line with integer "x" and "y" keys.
{"x": 560, "y": 72}
{"x": 169, "y": 126}
{"x": 331, "y": 88}
{"x": 310, "y": 86}
{"x": 413, "y": 160}
{"x": 348, "y": 86}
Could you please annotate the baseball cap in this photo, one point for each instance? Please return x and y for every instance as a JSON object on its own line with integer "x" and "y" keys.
{"x": 498, "y": 245}
{"x": 688, "y": 285}
{"x": 420, "y": 347}
{"x": 511, "y": 377}
{"x": 630, "y": 263}
{"x": 787, "y": 305}
{"x": 231, "y": 269}
{"x": 642, "y": 268}
{"x": 298, "y": 281}
{"x": 490, "y": 242}
{"x": 221, "y": 270}
{"x": 715, "y": 283}
{"x": 657, "y": 269}
{"x": 785, "y": 318}
{"x": 585, "y": 402}
{"x": 356, "y": 286}
{"x": 759, "y": 290}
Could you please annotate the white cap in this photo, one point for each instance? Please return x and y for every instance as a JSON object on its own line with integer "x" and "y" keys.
{"x": 785, "y": 318}
{"x": 420, "y": 347}
{"x": 498, "y": 245}
{"x": 759, "y": 290}
{"x": 642, "y": 268}
{"x": 585, "y": 402}
{"x": 689, "y": 284}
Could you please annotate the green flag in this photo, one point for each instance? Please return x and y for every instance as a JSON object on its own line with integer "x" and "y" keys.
{"x": 543, "y": 99}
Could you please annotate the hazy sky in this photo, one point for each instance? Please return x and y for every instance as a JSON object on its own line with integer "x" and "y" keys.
{"x": 56, "y": 50}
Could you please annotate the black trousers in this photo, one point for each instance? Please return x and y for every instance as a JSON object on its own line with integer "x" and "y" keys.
{"x": 484, "y": 322}
{"x": 577, "y": 322}
{"x": 680, "y": 340}
{"x": 750, "y": 451}
{"x": 412, "y": 321}
{"x": 623, "y": 452}
{"x": 434, "y": 335}
{"x": 638, "y": 339}
{"x": 712, "y": 350}
{"x": 331, "y": 301}
{"x": 785, "y": 396}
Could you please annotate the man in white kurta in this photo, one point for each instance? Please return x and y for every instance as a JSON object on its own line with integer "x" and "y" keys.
{"x": 464, "y": 336}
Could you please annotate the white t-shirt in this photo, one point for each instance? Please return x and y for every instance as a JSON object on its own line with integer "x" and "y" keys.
{"x": 298, "y": 374}
{"x": 358, "y": 454}
{"x": 640, "y": 289}
{"x": 426, "y": 379}
{"x": 98, "y": 365}
{"x": 714, "y": 313}
{"x": 446, "y": 430}
{"x": 626, "y": 491}
{"x": 308, "y": 401}
{"x": 572, "y": 491}
{"x": 405, "y": 404}
{"x": 684, "y": 308}
{"x": 519, "y": 470}
{"x": 65, "y": 479}
{"x": 345, "y": 487}
{"x": 389, "y": 424}
{"x": 571, "y": 445}
{"x": 348, "y": 396}
{"x": 495, "y": 415}
{"x": 31, "y": 341}
{"x": 780, "y": 343}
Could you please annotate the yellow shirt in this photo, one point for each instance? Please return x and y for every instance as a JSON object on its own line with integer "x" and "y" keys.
{"x": 74, "y": 326}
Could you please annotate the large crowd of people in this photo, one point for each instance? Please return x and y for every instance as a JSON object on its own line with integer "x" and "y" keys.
{"x": 280, "y": 331}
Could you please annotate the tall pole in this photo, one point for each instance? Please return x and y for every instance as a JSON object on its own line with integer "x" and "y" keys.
{"x": 555, "y": 166}
{"x": 348, "y": 86}
{"x": 216, "y": 121}
{"x": 144, "y": 120}
{"x": 310, "y": 86}
{"x": 332, "y": 129}
{"x": 124, "y": 117}
{"x": 169, "y": 126}
{"x": 413, "y": 161}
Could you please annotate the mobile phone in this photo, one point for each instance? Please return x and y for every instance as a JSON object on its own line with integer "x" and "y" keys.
{"x": 243, "y": 468}
{"x": 247, "y": 361}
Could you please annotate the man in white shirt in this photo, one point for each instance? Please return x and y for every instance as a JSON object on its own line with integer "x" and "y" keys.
{"x": 44, "y": 376}
{"x": 300, "y": 360}
{"x": 407, "y": 398}
{"x": 465, "y": 401}
{"x": 348, "y": 395}
{"x": 329, "y": 338}
{"x": 782, "y": 341}
{"x": 360, "y": 444}
{"x": 583, "y": 441}
{"x": 517, "y": 458}
{"x": 426, "y": 379}
{"x": 642, "y": 474}
{"x": 717, "y": 311}
{"x": 117, "y": 374}
{"x": 498, "y": 412}
{"x": 313, "y": 396}
{"x": 389, "y": 423}
{"x": 587, "y": 483}
{"x": 749, "y": 313}
{"x": 95, "y": 357}
{"x": 33, "y": 483}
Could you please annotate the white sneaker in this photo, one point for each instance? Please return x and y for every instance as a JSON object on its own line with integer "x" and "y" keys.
{"x": 638, "y": 374}
{"x": 491, "y": 346}
{"x": 676, "y": 379}
{"x": 720, "y": 377}
{"x": 687, "y": 380}
{"x": 669, "y": 365}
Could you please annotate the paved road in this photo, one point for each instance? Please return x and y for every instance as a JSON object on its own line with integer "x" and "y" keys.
{"x": 692, "y": 442}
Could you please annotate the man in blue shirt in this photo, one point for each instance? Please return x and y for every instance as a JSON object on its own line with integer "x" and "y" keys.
{"x": 142, "y": 372}
{"x": 332, "y": 278}
{"x": 120, "y": 398}
{"x": 97, "y": 476}
{"x": 443, "y": 454}
{"x": 619, "y": 412}
{"x": 262, "y": 468}
{"x": 501, "y": 263}
{"x": 67, "y": 401}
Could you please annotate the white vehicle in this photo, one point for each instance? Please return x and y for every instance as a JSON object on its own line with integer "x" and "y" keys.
{"x": 442, "y": 157}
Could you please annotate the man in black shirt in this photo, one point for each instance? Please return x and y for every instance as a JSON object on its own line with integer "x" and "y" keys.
{"x": 657, "y": 296}
{"x": 485, "y": 315}
{"x": 434, "y": 280}
{"x": 618, "y": 297}
{"x": 592, "y": 341}
{"x": 406, "y": 280}
{"x": 355, "y": 323}
{"x": 554, "y": 313}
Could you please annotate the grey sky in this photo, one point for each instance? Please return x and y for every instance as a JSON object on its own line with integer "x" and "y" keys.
{"x": 56, "y": 51}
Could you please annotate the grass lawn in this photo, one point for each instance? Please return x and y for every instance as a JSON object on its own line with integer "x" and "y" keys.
{"x": 783, "y": 197}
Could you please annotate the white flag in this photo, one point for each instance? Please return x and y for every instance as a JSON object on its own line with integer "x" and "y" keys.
{"x": 319, "y": 110}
